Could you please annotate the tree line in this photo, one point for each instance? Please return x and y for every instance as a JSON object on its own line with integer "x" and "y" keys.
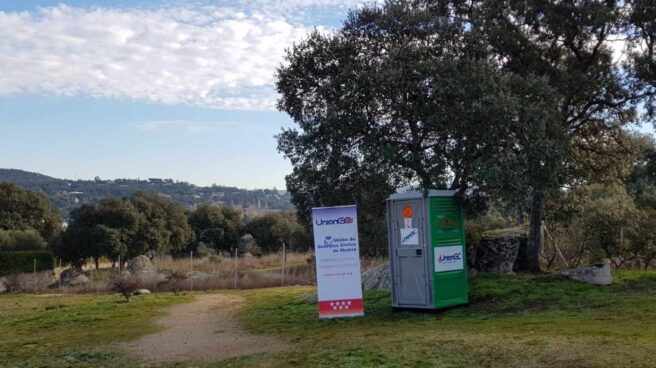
{"x": 143, "y": 223}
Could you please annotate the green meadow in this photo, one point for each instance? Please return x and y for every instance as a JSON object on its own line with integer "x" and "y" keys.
{"x": 512, "y": 321}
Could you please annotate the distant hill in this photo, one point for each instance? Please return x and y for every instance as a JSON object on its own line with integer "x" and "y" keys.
{"x": 68, "y": 194}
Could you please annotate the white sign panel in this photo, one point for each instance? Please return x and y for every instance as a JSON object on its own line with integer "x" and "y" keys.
{"x": 410, "y": 236}
{"x": 448, "y": 258}
{"x": 337, "y": 252}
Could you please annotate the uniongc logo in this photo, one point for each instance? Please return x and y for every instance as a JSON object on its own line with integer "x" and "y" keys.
{"x": 337, "y": 221}
{"x": 410, "y": 235}
{"x": 450, "y": 258}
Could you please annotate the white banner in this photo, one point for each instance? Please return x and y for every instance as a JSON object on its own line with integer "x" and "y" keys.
{"x": 337, "y": 252}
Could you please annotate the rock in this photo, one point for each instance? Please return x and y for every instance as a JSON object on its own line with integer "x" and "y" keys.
{"x": 248, "y": 247}
{"x": 598, "y": 274}
{"x": 141, "y": 266}
{"x": 497, "y": 251}
{"x": 79, "y": 280}
{"x": 125, "y": 273}
{"x": 378, "y": 278}
{"x": 141, "y": 292}
{"x": 69, "y": 275}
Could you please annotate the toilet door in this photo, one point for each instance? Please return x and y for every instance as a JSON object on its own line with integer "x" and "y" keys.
{"x": 409, "y": 252}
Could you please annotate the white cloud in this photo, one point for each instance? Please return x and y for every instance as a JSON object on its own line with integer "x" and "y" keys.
{"x": 208, "y": 55}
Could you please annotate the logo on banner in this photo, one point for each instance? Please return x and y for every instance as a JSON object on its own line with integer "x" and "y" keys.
{"x": 448, "y": 258}
{"x": 410, "y": 236}
{"x": 337, "y": 221}
{"x": 338, "y": 274}
{"x": 341, "y": 308}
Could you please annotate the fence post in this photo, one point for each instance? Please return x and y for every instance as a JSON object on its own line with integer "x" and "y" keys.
{"x": 60, "y": 274}
{"x": 236, "y": 250}
{"x": 92, "y": 286}
{"x": 155, "y": 273}
{"x": 284, "y": 256}
{"x": 191, "y": 278}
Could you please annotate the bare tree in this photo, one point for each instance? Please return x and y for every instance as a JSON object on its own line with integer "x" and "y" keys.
{"x": 125, "y": 285}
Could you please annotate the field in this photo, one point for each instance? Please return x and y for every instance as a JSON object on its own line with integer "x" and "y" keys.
{"x": 513, "y": 321}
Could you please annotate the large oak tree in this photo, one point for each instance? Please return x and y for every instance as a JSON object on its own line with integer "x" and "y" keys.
{"x": 505, "y": 98}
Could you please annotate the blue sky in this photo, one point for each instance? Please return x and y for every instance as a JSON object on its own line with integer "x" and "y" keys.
{"x": 170, "y": 89}
{"x": 137, "y": 89}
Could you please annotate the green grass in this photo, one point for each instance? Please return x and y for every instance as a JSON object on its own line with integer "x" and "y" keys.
{"x": 518, "y": 321}
{"x": 73, "y": 330}
{"x": 512, "y": 321}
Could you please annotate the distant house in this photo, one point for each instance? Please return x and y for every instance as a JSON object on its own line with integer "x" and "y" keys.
{"x": 68, "y": 194}
{"x": 155, "y": 180}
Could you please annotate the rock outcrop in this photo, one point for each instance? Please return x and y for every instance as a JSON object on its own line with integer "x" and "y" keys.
{"x": 248, "y": 247}
{"x": 79, "y": 280}
{"x": 497, "y": 251}
{"x": 70, "y": 274}
{"x": 378, "y": 278}
{"x": 598, "y": 274}
{"x": 141, "y": 266}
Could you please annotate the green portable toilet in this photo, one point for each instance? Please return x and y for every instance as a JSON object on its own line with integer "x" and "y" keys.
{"x": 428, "y": 263}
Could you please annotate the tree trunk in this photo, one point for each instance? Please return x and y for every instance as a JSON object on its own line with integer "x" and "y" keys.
{"x": 520, "y": 215}
{"x": 534, "y": 245}
{"x": 96, "y": 261}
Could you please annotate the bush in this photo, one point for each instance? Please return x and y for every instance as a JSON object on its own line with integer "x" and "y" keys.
{"x": 475, "y": 227}
{"x": 125, "y": 285}
{"x": 13, "y": 240}
{"x": 271, "y": 230}
{"x": 175, "y": 278}
{"x": 23, "y": 261}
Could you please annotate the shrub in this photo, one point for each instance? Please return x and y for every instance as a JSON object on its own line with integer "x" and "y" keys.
{"x": 125, "y": 285}
{"x": 175, "y": 279}
{"x": 10, "y": 282}
{"x": 13, "y": 240}
{"x": 271, "y": 230}
{"x": 23, "y": 261}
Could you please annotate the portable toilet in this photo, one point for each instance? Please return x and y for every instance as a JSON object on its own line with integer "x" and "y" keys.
{"x": 427, "y": 250}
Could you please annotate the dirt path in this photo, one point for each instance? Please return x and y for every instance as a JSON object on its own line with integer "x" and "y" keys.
{"x": 202, "y": 330}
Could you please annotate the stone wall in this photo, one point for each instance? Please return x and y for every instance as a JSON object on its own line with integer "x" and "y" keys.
{"x": 498, "y": 250}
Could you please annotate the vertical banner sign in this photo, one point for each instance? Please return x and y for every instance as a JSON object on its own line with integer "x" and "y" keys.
{"x": 337, "y": 252}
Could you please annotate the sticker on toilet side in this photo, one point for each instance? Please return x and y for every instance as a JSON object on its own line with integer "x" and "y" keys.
{"x": 410, "y": 236}
{"x": 448, "y": 258}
